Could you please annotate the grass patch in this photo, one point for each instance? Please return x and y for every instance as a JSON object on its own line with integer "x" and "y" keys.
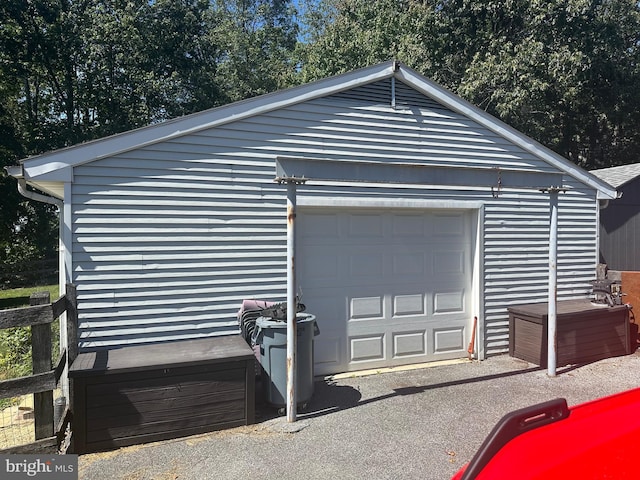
{"x": 19, "y": 297}
{"x": 15, "y": 343}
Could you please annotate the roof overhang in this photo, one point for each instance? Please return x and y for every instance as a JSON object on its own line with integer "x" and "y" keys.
{"x": 48, "y": 164}
{"x": 458, "y": 104}
{"x": 57, "y": 167}
{"x": 52, "y": 188}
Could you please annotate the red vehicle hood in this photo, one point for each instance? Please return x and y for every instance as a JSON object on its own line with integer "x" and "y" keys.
{"x": 594, "y": 440}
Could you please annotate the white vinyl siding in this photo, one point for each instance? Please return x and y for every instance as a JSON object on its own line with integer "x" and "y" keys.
{"x": 168, "y": 239}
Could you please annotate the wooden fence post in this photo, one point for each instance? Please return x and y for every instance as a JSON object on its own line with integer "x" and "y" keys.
{"x": 41, "y": 356}
{"x": 72, "y": 335}
{"x": 72, "y": 323}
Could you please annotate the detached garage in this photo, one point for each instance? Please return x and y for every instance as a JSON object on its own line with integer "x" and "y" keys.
{"x": 416, "y": 213}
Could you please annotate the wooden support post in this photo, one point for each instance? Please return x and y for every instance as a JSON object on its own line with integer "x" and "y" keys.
{"x": 72, "y": 336}
{"x": 41, "y": 357}
{"x": 72, "y": 323}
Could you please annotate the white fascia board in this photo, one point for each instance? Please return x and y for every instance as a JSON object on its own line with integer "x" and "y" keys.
{"x": 62, "y": 173}
{"x": 43, "y": 166}
{"x": 458, "y": 104}
{"x": 55, "y": 188}
{"x": 15, "y": 171}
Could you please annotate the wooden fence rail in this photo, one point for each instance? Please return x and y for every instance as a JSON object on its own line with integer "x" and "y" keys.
{"x": 46, "y": 377}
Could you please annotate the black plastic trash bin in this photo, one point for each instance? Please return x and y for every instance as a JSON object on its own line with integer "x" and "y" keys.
{"x": 271, "y": 335}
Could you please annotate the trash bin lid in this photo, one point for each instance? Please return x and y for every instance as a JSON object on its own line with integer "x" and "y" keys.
{"x": 268, "y": 322}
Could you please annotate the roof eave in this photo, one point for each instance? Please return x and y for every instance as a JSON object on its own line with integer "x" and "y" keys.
{"x": 57, "y": 165}
{"x": 458, "y": 104}
{"x": 43, "y": 166}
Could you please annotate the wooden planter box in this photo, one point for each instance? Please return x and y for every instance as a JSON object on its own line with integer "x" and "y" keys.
{"x": 147, "y": 393}
{"x": 585, "y": 332}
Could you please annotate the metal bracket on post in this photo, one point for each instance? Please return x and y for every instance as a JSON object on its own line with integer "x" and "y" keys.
{"x": 291, "y": 180}
{"x": 292, "y": 309}
{"x": 495, "y": 189}
{"x": 552, "y": 340}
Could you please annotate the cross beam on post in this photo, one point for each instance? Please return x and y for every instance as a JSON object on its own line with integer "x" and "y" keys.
{"x": 292, "y": 307}
{"x": 294, "y": 171}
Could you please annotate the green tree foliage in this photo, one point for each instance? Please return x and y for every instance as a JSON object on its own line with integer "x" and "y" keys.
{"x": 76, "y": 70}
{"x": 257, "y": 39}
{"x": 349, "y": 34}
{"x": 564, "y": 72}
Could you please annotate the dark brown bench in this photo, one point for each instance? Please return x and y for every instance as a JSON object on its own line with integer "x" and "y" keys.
{"x": 147, "y": 393}
{"x": 585, "y": 332}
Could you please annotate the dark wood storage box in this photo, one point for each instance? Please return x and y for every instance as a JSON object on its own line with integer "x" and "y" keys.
{"x": 147, "y": 393}
{"x": 585, "y": 332}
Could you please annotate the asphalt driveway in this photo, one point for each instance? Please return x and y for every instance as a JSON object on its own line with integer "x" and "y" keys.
{"x": 423, "y": 423}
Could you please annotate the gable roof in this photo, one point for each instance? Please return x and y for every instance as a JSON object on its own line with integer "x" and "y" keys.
{"x": 54, "y": 168}
{"x": 618, "y": 176}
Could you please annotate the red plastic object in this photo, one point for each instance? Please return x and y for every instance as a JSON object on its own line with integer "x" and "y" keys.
{"x": 594, "y": 440}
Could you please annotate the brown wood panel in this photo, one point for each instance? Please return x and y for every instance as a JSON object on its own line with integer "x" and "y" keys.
{"x": 158, "y": 388}
{"x": 527, "y": 345}
{"x": 218, "y": 370}
{"x": 208, "y": 394}
{"x": 221, "y": 414}
{"x": 193, "y": 401}
{"x": 233, "y": 408}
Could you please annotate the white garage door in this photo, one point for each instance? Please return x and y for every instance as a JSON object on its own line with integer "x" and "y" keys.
{"x": 388, "y": 287}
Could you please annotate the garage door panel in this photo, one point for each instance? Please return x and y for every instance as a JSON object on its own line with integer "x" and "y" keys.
{"x": 330, "y": 347}
{"x": 448, "y": 302}
{"x": 328, "y": 353}
{"x": 365, "y": 225}
{"x": 449, "y": 224}
{"x": 409, "y": 263}
{"x": 388, "y": 287}
{"x": 409, "y": 344}
{"x": 409, "y": 305}
{"x": 409, "y": 226}
{"x": 366, "y": 308}
{"x": 329, "y": 301}
{"x": 447, "y": 340}
{"x": 321, "y": 269}
{"x": 365, "y": 264}
{"x": 367, "y": 348}
{"x": 449, "y": 262}
{"x": 320, "y": 225}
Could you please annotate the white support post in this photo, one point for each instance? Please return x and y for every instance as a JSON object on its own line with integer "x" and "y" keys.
{"x": 552, "y": 343}
{"x": 292, "y": 336}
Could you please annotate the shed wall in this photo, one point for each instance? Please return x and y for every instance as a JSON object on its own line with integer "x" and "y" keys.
{"x": 620, "y": 230}
{"x": 168, "y": 239}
